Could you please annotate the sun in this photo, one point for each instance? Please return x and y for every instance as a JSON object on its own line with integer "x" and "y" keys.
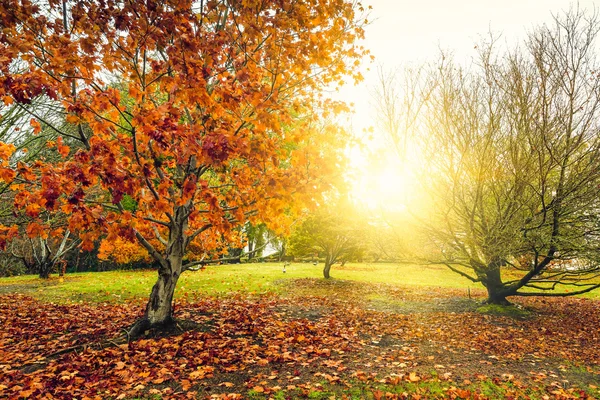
{"x": 391, "y": 183}
{"x": 383, "y": 183}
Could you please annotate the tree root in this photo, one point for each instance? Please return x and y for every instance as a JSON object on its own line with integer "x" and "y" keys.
{"x": 32, "y": 367}
{"x": 138, "y": 329}
{"x": 143, "y": 327}
{"x": 502, "y": 302}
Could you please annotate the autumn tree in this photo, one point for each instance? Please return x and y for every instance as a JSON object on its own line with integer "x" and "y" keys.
{"x": 120, "y": 251}
{"x": 40, "y": 253}
{"x": 44, "y": 254}
{"x": 511, "y": 149}
{"x": 333, "y": 231}
{"x": 197, "y": 133}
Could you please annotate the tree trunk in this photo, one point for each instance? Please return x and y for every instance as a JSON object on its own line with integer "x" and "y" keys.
{"x": 282, "y": 253}
{"x": 251, "y": 249}
{"x": 77, "y": 260}
{"x": 492, "y": 281}
{"x": 496, "y": 297}
{"x": 45, "y": 269}
{"x": 159, "y": 310}
{"x": 327, "y": 267}
{"x": 326, "y": 270}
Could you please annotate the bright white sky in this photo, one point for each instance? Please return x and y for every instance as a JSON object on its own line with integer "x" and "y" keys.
{"x": 412, "y": 31}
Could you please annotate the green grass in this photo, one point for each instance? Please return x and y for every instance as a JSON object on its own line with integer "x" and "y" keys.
{"x": 402, "y": 274}
{"x": 257, "y": 278}
{"x": 429, "y": 389}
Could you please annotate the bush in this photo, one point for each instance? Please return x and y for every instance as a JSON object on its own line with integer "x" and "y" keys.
{"x": 10, "y": 266}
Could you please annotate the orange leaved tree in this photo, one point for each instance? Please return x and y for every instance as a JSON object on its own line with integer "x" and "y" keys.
{"x": 178, "y": 121}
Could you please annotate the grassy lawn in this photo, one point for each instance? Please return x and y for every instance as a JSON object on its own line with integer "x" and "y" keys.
{"x": 216, "y": 280}
{"x": 254, "y": 278}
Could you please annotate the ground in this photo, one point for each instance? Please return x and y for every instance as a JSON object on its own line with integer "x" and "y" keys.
{"x": 301, "y": 338}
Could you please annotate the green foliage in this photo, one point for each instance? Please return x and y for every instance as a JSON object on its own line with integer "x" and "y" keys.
{"x": 9, "y": 266}
{"x": 256, "y": 236}
{"x": 129, "y": 203}
{"x": 336, "y": 233}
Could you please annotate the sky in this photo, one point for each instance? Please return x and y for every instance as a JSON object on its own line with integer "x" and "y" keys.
{"x": 403, "y": 32}
{"x": 412, "y": 31}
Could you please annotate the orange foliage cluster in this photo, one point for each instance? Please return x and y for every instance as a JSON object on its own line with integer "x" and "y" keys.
{"x": 122, "y": 251}
{"x": 213, "y": 118}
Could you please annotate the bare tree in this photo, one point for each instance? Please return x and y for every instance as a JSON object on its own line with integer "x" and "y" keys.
{"x": 43, "y": 254}
{"x": 398, "y": 100}
{"x": 512, "y": 147}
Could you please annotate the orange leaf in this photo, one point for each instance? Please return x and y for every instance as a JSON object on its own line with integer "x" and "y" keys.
{"x": 33, "y": 209}
{"x": 72, "y": 119}
{"x": 35, "y": 124}
{"x": 36, "y": 230}
{"x": 7, "y": 174}
{"x": 64, "y": 151}
{"x": 6, "y": 151}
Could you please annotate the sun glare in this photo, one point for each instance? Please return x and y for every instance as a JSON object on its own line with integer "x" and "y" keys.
{"x": 384, "y": 184}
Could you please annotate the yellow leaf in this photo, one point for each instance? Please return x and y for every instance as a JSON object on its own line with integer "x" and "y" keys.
{"x": 413, "y": 377}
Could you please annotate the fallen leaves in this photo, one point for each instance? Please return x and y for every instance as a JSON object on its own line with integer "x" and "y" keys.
{"x": 272, "y": 344}
{"x": 233, "y": 343}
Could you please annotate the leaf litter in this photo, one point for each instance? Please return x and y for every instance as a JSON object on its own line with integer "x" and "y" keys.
{"x": 321, "y": 337}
